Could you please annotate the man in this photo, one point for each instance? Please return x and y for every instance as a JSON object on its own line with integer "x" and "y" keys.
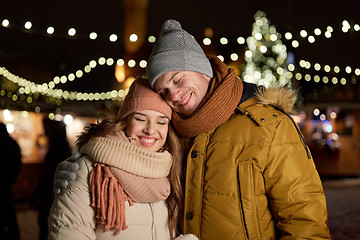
{"x": 249, "y": 173}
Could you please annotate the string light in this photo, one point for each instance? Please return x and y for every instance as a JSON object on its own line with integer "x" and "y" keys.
{"x": 327, "y": 68}
{"x": 325, "y": 79}
{"x": 327, "y": 33}
{"x": 28, "y": 87}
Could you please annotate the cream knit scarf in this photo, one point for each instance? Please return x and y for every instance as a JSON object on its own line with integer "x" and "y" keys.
{"x": 124, "y": 172}
{"x": 219, "y": 103}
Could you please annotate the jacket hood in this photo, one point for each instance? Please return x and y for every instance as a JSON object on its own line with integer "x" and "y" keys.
{"x": 282, "y": 97}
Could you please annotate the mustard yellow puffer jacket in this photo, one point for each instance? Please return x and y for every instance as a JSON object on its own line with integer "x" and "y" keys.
{"x": 254, "y": 178}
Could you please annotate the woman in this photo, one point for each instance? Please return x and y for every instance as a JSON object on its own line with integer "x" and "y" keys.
{"x": 128, "y": 185}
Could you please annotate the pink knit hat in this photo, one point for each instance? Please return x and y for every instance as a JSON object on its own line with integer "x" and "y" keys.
{"x": 142, "y": 97}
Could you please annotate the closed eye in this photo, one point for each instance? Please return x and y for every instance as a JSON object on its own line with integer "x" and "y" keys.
{"x": 139, "y": 119}
{"x": 163, "y": 92}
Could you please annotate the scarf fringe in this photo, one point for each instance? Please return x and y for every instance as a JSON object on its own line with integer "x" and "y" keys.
{"x": 108, "y": 199}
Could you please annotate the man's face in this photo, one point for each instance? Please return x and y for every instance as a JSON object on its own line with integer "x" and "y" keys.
{"x": 182, "y": 90}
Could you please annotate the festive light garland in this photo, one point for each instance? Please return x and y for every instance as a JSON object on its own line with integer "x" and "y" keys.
{"x": 48, "y": 89}
{"x": 93, "y": 64}
{"x": 28, "y": 87}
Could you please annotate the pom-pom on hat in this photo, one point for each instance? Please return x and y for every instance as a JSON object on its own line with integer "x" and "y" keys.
{"x": 176, "y": 50}
{"x": 142, "y": 97}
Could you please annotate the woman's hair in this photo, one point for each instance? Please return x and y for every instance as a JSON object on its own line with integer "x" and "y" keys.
{"x": 106, "y": 124}
{"x": 111, "y": 124}
{"x": 174, "y": 201}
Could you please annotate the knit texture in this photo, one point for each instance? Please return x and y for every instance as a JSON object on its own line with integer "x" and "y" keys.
{"x": 108, "y": 199}
{"x": 176, "y": 50}
{"x": 219, "y": 103}
{"x": 142, "y": 97}
{"x": 132, "y": 159}
{"x": 112, "y": 186}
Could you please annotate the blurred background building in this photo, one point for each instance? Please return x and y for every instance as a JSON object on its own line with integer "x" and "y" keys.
{"x": 71, "y": 60}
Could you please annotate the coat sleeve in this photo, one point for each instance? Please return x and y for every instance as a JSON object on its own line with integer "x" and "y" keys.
{"x": 294, "y": 187}
{"x": 71, "y": 216}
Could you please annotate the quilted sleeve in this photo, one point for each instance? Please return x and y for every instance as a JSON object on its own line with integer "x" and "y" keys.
{"x": 294, "y": 186}
{"x": 71, "y": 216}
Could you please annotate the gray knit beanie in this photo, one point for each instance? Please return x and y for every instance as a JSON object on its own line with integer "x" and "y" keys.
{"x": 176, "y": 50}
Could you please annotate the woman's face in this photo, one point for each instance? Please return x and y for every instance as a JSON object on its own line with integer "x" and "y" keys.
{"x": 148, "y": 129}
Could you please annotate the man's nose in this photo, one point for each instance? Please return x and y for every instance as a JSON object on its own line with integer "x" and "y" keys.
{"x": 174, "y": 94}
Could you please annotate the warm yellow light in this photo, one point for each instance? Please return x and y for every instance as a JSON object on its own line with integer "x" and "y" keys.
{"x": 311, "y": 39}
{"x": 327, "y": 68}
{"x": 317, "y": 66}
{"x": 28, "y": 25}
{"x": 87, "y": 68}
{"x": 295, "y": 43}
{"x": 357, "y": 72}
{"x": 241, "y": 40}
{"x": 348, "y": 69}
{"x": 5, "y": 23}
{"x": 93, "y": 35}
{"x": 302, "y": 63}
{"x": 151, "y": 39}
{"x": 143, "y": 63}
{"x": 113, "y": 38}
{"x": 71, "y": 77}
{"x": 328, "y": 34}
{"x": 303, "y": 33}
{"x": 291, "y": 67}
{"x": 258, "y": 36}
{"x": 92, "y": 63}
{"x": 120, "y": 73}
{"x": 317, "y": 31}
{"x": 207, "y": 41}
{"x": 223, "y": 41}
{"x": 109, "y": 61}
{"x": 133, "y": 37}
{"x": 273, "y": 37}
{"x": 316, "y": 78}
{"x": 72, "y": 32}
{"x": 128, "y": 82}
{"x": 234, "y": 57}
{"x": 79, "y": 73}
{"x": 50, "y": 30}
{"x": 248, "y": 54}
{"x": 120, "y": 62}
{"x": 102, "y": 61}
{"x": 131, "y": 63}
{"x": 288, "y": 35}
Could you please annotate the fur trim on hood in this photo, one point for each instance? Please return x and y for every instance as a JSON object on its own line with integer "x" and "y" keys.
{"x": 279, "y": 97}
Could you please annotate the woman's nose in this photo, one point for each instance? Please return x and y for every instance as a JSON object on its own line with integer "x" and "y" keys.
{"x": 150, "y": 128}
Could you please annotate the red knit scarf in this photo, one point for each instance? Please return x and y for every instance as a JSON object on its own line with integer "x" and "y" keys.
{"x": 221, "y": 99}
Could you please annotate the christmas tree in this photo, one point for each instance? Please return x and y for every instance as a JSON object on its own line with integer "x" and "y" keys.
{"x": 265, "y": 55}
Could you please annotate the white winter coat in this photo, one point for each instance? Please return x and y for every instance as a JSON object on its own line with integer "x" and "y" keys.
{"x": 72, "y": 217}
